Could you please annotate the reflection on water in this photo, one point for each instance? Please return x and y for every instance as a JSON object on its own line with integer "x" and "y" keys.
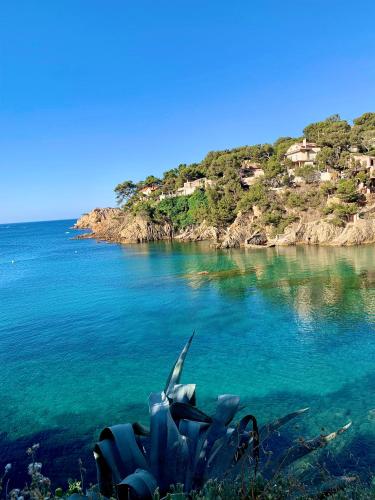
{"x": 312, "y": 280}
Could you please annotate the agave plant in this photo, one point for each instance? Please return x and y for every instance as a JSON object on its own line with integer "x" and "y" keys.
{"x": 186, "y": 446}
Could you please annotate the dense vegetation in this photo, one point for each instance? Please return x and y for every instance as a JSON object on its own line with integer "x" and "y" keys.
{"x": 220, "y": 203}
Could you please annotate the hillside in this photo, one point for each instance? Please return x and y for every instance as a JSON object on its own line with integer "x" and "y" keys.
{"x": 314, "y": 189}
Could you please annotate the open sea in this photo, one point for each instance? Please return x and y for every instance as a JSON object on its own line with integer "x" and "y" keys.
{"x": 88, "y": 330}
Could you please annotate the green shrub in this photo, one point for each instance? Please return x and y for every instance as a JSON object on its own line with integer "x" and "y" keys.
{"x": 347, "y": 190}
{"x": 308, "y": 172}
{"x": 256, "y": 195}
{"x": 296, "y": 200}
{"x": 327, "y": 188}
{"x": 341, "y": 212}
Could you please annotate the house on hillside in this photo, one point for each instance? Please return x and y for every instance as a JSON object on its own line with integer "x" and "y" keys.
{"x": 148, "y": 190}
{"x": 302, "y": 153}
{"x": 189, "y": 188}
{"x": 365, "y": 161}
{"x": 250, "y": 172}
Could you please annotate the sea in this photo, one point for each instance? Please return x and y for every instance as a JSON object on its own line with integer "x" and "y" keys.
{"x": 88, "y": 329}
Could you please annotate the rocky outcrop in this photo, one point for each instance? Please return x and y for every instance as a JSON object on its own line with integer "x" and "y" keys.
{"x": 96, "y": 218}
{"x": 317, "y": 232}
{"x": 359, "y": 232}
{"x": 122, "y": 227}
{"x": 113, "y": 224}
{"x": 202, "y": 232}
{"x": 322, "y": 232}
{"x": 240, "y": 231}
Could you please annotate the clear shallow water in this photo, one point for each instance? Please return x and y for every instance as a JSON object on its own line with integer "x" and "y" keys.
{"x": 88, "y": 329}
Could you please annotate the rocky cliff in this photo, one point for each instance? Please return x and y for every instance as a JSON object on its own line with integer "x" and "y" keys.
{"x": 113, "y": 224}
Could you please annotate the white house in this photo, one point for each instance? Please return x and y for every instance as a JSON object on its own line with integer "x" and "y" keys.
{"x": 250, "y": 172}
{"x": 302, "y": 153}
{"x": 148, "y": 190}
{"x": 189, "y": 187}
{"x": 365, "y": 161}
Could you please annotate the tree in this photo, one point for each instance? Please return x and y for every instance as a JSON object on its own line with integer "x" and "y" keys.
{"x": 125, "y": 191}
{"x": 347, "y": 190}
{"x": 282, "y": 145}
{"x": 256, "y": 195}
{"x": 366, "y": 121}
{"x": 363, "y": 132}
{"x": 332, "y": 132}
{"x": 328, "y": 156}
{"x": 308, "y": 172}
{"x": 151, "y": 180}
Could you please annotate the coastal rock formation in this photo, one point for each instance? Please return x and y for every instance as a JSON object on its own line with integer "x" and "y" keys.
{"x": 322, "y": 232}
{"x": 318, "y": 232}
{"x": 97, "y": 218}
{"x": 240, "y": 231}
{"x": 202, "y": 232}
{"x": 122, "y": 227}
{"x": 113, "y": 224}
{"x": 357, "y": 233}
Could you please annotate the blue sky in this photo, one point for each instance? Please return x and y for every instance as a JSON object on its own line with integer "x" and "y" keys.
{"x": 94, "y": 92}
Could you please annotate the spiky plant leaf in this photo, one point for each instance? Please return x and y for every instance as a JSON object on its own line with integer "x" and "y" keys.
{"x": 140, "y": 484}
{"x": 184, "y": 411}
{"x": 175, "y": 374}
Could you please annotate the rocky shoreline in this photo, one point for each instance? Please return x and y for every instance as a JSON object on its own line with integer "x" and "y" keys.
{"x": 116, "y": 225}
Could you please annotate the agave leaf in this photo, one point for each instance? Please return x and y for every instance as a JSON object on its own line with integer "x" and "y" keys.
{"x": 185, "y": 411}
{"x": 221, "y": 456}
{"x": 129, "y": 456}
{"x": 245, "y": 438}
{"x": 175, "y": 374}
{"x": 140, "y": 430}
{"x": 107, "y": 458}
{"x": 192, "y": 431}
{"x": 235, "y": 448}
{"x": 139, "y": 485}
{"x": 226, "y": 408}
{"x": 267, "y": 429}
{"x": 305, "y": 447}
{"x": 159, "y": 406}
{"x": 183, "y": 393}
{"x": 169, "y": 455}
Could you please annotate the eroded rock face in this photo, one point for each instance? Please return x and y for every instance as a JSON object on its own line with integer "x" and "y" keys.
{"x": 202, "y": 232}
{"x": 322, "y": 232}
{"x": 240, "y": 231}
{"x": 96, "y": 218}
{"x": 357, "y": 233}
{"x": 113, "y": 224}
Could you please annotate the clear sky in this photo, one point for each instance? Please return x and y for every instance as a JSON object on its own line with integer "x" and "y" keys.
{"x": 93, "y": 92}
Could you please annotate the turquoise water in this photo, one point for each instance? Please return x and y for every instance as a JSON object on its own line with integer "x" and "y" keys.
{"x": 88, "y": 330}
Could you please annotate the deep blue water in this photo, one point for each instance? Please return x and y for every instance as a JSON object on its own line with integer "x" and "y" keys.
{"x": 88, "y": 330}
